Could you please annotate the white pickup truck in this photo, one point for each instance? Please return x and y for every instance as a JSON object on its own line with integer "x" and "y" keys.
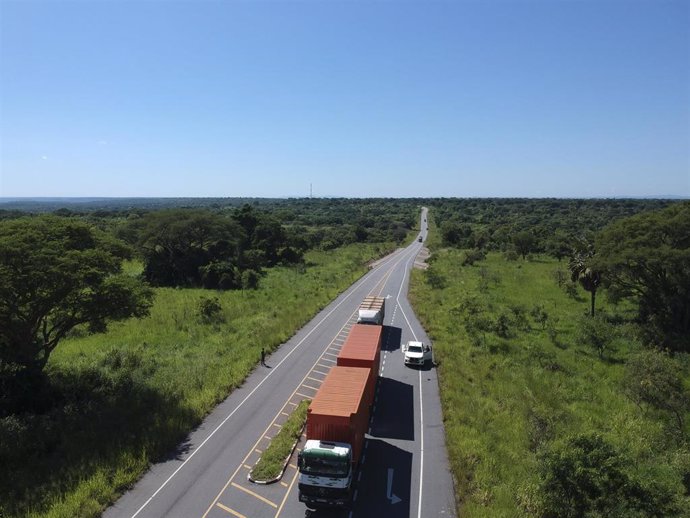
{"x": 416, "y": 353}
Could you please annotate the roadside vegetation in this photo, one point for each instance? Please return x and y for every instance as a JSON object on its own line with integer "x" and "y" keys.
{"x": 90, "y": 398}
{"x": 112, "y": 403}
{"x": 274, "y": 457}
{"x": 550, "y": 411}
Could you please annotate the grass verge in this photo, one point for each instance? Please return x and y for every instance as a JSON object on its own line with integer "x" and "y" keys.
{"x": 273, "y": 459}
{"x": 518, "y": 381}
{"x": 112, "y": 404}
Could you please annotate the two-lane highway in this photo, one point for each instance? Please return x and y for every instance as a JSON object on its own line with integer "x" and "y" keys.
{"x": 404, "y": 468}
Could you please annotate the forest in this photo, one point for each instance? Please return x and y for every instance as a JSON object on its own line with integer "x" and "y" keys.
{"x": 560, "y": 328}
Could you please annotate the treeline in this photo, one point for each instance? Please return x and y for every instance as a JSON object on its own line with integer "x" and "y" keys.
{"x": 635, "y": 249}
{"x": 525, "y": 226}
{"x": 63, "y": 270}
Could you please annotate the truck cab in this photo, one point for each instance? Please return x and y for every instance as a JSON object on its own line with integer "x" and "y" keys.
{"x": 417, "y": 353}
{"x": 325, "y": 474}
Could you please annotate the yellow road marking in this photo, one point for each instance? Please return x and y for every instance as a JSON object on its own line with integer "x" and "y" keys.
{"x": 234, "y": 513}
{"x": 282, "y": 504}
{"x": 255, "y": 495}
{"x": 283, "y": 484}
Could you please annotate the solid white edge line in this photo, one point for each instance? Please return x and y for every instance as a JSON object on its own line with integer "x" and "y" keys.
{"x": 148, "y": 501}
{"x": 421, "y": 407}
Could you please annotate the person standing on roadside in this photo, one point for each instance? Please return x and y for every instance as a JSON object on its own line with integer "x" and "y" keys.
{"x": 263, "y": 357}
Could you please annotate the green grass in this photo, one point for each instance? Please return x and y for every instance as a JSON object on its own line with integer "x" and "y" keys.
{"x": 273, "y": 458}
{"x": 117, "y": 402}
{"x": 506, "y": 399}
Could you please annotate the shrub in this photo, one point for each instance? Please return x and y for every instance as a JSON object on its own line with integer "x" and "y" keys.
{"x": 511, "y": 255}
{"x": 655, "y": 379}
{"x": 435, "y": 279}
{"x": 472, "y": 256}
{"x": 539, "y": 315}
{"x": 587, "y": 477}
{"x": 596, "y": 333}
{"x": 210, "y": 311}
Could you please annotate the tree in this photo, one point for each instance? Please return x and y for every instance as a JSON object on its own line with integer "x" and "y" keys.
{"x": 524, "y": 243}
{"x": 582, "y": 270}
{"x": 57, "y": 273}
{"x": 180, "y": 247}
{"x": 647, "y": 259}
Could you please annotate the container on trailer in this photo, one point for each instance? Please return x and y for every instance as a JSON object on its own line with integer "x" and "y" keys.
{"x": 372, "y": 311}
{"x": 362, "y": 348}
{"x": 340, "y": 410}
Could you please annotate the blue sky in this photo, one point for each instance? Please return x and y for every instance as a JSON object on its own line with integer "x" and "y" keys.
{"x": 386, "y": 98}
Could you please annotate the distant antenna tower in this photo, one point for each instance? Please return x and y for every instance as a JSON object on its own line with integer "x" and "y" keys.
{"x": 310, "y": 191}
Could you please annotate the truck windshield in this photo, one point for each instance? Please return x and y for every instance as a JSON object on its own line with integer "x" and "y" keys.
{"x": 414, "y": 349}
{"x": 325, "y": 467}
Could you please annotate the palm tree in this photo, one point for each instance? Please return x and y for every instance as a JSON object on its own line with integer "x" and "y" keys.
{"x": 581, "y": 271}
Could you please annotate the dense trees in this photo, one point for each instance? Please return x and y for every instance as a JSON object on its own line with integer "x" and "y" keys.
{"x": 56, "y": 274}
{"x": 203, "y": 248}
{"x": 647, "y": 258}
{"x": 494, "y": 223}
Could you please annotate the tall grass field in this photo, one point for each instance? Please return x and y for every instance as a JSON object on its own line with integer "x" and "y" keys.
{"x": 518, "y": 379}
{"x": 116, "y": 402}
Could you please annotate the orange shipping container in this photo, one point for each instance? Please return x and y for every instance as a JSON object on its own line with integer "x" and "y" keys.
{"x": 362, "y": 348}
{"x": 340, "y": 410}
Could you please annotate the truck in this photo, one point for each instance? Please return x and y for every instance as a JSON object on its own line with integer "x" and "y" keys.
{"x": 371, "y": 311}
{"x": 337, "y": 419}
{"x": 362, "y": 348}
{"x": 417, "y": 353}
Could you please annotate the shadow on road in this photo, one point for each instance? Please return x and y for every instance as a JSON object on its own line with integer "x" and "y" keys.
{"x": 394, "y": 416}
{"x": 384, "y": 490}
{"x": 390, "y": 340}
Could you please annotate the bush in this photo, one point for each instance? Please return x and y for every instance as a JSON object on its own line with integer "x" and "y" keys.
{"x": 210, "y": 311}
{"x": 655, "y": 379}
{"x": 539, "y": 315}
{"x": 511, "y": 255}
{"x": 435, "y": 279}
{"x": 472, "y": 256}
{"x": 587, "y": 477}
{"x": 596, "y": 333}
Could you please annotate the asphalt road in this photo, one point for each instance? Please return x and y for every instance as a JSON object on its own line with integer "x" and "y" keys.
{"x": 404, "y": 470}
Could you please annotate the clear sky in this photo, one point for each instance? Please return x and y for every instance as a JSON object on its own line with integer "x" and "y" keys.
{"x": 359, "y": 98}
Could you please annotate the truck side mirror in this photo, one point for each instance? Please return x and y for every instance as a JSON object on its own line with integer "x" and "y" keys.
{"x": 299, "y": 460}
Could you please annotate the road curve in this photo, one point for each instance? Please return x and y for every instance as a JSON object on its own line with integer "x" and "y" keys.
{"x": 404, "y": 472}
